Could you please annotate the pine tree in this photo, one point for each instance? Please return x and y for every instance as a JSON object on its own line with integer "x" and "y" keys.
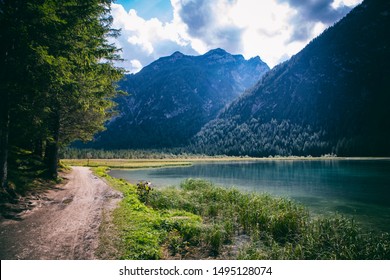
{"x": 58, "y": 76}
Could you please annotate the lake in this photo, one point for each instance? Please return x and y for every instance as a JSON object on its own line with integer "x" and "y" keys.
{"x": 356, "y": 188}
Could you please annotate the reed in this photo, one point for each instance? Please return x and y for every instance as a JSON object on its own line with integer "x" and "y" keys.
{"x": 199, "y": 220}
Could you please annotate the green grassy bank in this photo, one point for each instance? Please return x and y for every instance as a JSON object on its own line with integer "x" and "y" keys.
{"x": 201, "y": 221}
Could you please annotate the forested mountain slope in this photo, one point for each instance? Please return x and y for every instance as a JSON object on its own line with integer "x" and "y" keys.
{"x": 332, "y": 97}
{"x": 172, "y": 98}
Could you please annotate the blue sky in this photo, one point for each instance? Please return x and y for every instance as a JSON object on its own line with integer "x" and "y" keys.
{"x": 147, "y": 9}
{"x": 272, "y": 29}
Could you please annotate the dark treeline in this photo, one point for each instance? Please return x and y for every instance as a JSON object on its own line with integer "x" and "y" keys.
{"x": 258, "y": 139}
{"x": 57, "y": 76}
{"x": 164, "y": 153}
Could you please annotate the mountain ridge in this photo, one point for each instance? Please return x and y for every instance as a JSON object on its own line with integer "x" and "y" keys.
{"x": 332, "y": 97}
{"x": 174, "y": 96}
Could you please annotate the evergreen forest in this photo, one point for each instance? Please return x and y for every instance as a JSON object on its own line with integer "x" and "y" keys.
{"x": 57, "y": 80}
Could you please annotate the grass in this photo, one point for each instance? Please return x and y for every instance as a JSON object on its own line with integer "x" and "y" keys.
{"x": 163, "y": 162}
{"x": 125, "y": 163}
{"x": 187, "y": 161}
{"x": 136, "y": 223}
{"x": 150, "y": 163}
{"x": 202, "y": 221}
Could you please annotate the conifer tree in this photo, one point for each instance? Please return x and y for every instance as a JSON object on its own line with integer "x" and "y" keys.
{"x": 57, "y": 74}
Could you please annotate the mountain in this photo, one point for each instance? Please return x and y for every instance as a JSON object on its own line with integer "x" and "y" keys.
{"x": 172, "y": 98}
{"x": 332, "y": 97}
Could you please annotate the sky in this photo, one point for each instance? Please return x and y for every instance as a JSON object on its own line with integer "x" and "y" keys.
{"x": 272, "y": 29}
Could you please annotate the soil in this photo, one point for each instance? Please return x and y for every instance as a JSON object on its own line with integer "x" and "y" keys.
{"x": 62, "y": 224}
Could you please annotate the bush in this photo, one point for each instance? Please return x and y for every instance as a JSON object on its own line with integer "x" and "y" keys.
{"x": 143, "y": 191}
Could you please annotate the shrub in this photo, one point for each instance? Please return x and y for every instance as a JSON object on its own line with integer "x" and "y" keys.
{"x": 143, "y": 191}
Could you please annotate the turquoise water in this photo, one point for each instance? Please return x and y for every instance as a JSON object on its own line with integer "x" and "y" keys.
{"x": 356, "y": 188}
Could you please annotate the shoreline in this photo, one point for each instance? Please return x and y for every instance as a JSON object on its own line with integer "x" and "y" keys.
{"x": 188, "y": 161}
{"x": 203, "y": 221}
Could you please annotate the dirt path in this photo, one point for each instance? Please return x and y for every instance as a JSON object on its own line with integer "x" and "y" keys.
{"x": 65, "y": 225}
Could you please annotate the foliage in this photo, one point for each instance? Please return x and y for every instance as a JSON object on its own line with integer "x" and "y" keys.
{"x": 143, "y": 191}
{"x": 57, "y": 75}
{"x": 143, "y": 230}
{"x": 28, "y": 179}
{"x": 174, "y": 153}
{"x": 278, "y": 228}
{"x": 199, "y": 220}
{"x": 259, "y": 139}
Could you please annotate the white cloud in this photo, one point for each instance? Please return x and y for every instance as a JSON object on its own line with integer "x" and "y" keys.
{"x": 339, "y": 3}
{"x": 243, "y": 26}
{"x": 266, "y": 29}
{"x": 272, "y": 29}
{"x": 136, "y": 66}
{"x": 208, "y": 24}
{"x": 146, "y": 40}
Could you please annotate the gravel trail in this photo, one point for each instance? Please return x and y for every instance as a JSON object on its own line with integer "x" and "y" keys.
{"x": 64, "y": 224}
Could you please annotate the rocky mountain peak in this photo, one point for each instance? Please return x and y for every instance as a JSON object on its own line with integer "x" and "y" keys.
{"x": 173, "y": 97}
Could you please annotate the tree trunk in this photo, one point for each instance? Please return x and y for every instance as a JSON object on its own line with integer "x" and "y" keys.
{"x": 52, "y": 146}
{"x": 38, "y": 147}
{"x": 4, "y": 132}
